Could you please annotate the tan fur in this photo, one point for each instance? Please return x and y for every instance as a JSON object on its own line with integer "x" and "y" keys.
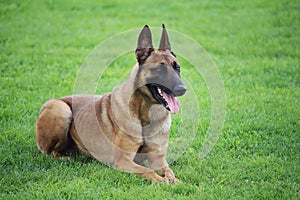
{"x": 122, "y": 129}
{"x": 52, "y": 127}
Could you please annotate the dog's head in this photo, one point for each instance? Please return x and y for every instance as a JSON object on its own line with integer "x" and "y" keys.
{"x": 160, "y": 69}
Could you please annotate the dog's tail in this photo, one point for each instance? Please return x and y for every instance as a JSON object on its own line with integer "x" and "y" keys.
{"x": 52, "y": 128}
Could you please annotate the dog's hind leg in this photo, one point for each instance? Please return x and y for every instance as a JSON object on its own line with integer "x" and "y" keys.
{"x": 52, "y": 128}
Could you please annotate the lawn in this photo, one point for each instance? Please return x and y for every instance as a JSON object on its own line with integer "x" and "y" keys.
{"x": 253, "y": 44}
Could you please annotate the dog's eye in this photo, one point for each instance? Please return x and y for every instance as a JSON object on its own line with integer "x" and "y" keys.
{"x": 176, "y": 66}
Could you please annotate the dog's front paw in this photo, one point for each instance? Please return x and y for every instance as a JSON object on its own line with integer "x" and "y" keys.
{"x": 170, "y": 177}
{"x": 154, "y": 177}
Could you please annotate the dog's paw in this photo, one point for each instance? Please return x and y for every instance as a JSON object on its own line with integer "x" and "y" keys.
{"x": 171, "y": 180}
{"x": 169, "y": 175}
{"x": 159, "y": 179}
{"x": 154, "y": 177}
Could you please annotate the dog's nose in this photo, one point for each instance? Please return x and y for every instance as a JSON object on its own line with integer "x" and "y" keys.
{"x": 179, "y": 90}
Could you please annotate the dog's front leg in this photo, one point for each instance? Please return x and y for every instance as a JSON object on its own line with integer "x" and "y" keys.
{"x": 125, "y": 150}
{"x": 157, "y": 161}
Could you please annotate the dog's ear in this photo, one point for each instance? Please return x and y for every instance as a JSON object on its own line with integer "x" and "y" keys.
{"x": 144, "y": 45}
{"x": 164, "y": 40}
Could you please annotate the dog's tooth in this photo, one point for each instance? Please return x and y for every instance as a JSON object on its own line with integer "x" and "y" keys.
{"x": 159, "y": 91}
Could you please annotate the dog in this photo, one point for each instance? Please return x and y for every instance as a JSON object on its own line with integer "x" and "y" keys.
{"x": 128, "y": 128}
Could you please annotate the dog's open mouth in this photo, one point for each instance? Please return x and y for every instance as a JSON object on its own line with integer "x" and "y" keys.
{"x": 165, "y": 96}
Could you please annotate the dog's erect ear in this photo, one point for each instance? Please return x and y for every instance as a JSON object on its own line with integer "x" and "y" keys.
{"x": 144, "y": 45}
{"x": 164, "y": 40}
{"x": 145, "y": 39}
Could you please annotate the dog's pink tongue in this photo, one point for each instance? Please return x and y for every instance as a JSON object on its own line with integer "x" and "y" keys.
{"x": 172, "y": 103}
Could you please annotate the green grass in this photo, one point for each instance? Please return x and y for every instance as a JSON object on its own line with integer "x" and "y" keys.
{"x": 255, "y": 45}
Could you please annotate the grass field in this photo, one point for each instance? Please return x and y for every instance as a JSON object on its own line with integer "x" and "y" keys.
{"x": 254, "y": 44}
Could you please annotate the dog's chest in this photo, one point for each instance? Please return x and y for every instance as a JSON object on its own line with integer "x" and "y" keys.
{"x": 160, "y": 123}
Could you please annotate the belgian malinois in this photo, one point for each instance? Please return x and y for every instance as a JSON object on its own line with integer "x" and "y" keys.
{"x": 127, "y": 128}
